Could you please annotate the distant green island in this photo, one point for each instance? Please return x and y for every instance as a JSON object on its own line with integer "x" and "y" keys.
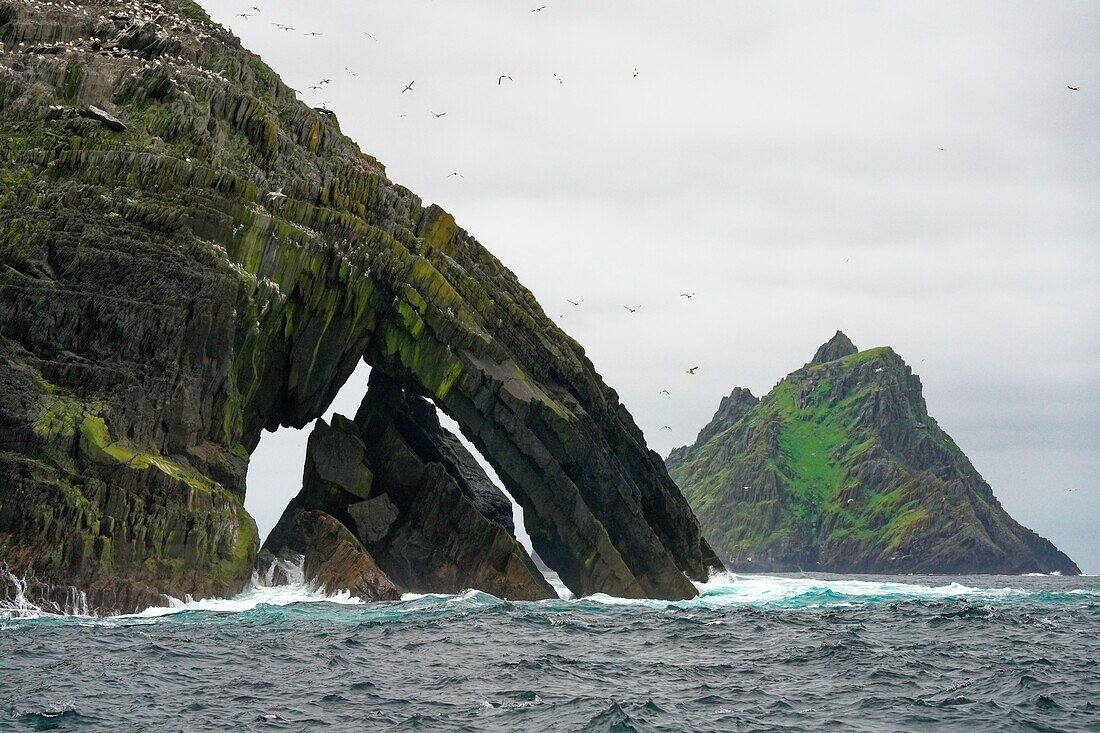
{"x": 841, "y": 469}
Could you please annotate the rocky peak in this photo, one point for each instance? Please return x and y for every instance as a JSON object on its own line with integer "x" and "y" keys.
{"x": 840, "y": 468}
{"x": 739, "y": 401}
{"x": 838, "y": 347}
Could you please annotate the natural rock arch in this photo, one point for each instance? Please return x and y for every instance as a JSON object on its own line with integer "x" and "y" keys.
{"x": 216, "y": 263}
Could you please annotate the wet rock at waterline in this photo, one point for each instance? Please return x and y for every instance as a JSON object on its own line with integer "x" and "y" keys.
{"x": 331, "y": 559}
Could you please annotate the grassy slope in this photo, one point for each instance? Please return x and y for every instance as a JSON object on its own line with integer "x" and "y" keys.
{"x": 809, "y": 434}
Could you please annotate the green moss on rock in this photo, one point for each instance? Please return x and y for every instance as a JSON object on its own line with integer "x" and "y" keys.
{"x": 840, "y": 468}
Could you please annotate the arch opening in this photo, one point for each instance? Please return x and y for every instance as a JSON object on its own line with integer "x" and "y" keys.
{"x": 275, "y": 467}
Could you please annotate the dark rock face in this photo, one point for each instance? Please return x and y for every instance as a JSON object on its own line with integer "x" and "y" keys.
{"x": 414, "y": 497}
{"x": 838, "y": 347}
{"x": 218, "y": 267}
{"x": 730, "y": 410}
{"x": 841, "y": 469}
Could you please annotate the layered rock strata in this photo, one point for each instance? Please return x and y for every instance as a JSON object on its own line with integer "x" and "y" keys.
{"x": 189, "y": 256}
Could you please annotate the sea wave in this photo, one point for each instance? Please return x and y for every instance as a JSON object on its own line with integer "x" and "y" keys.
{"x": 722, "y": 591}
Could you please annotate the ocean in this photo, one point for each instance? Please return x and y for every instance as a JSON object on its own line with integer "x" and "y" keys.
{"x": 751, "y": 653}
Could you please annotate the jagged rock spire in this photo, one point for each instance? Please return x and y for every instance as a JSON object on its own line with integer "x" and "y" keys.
{"x": 739, "y": 401}
{"x": 838, "y": 347}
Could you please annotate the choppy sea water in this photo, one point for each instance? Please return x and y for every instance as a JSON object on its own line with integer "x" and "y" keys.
{"x": 752, "y": 653}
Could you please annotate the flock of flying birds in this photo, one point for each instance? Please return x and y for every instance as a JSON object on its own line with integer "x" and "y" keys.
{"x": 635, "y": 309}
{"x": 254, "y": 11}
{"x": 455, "y": 174}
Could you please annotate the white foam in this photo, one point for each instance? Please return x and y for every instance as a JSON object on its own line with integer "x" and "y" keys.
{"x": 255, "y": 596}
{"x": 18, "y": 606}
{"x": 730, "y": 590}
{"x": 723, "y": 590}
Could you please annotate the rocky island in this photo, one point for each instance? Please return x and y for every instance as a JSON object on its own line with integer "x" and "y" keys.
{"x": 190, "y": 256}
{"x": 841, "y": 469}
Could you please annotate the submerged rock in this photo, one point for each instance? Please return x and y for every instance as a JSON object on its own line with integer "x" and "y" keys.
{"x": 219, "y": 267}
{"x": 414, "y": 497}
{"x": 841, "y": 469}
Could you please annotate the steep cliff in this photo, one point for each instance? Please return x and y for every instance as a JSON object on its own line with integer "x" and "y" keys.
{"x": 840, "y": 468}
{"x": 189, "y": 255}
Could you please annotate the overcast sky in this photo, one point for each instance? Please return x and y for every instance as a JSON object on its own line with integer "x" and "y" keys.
{"x": 917, "y": 175}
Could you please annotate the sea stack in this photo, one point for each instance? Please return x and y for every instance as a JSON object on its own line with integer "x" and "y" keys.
{"x": 413, "y": 499}
{"x": 841, "y": 469}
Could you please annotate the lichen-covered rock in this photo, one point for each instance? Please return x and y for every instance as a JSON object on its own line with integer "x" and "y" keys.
{"x": 414, "y": 497}
{"x": 841, "y": 469}
{"x": 218, "y": 267}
